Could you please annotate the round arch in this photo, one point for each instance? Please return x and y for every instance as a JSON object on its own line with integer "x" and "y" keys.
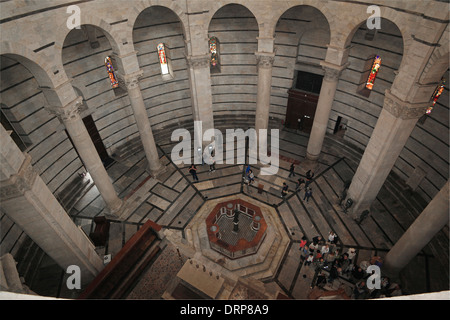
{"x": 217, "y": 6}
{"x": 38, "y": 65}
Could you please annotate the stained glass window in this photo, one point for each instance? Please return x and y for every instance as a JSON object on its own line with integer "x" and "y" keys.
{"x": 110, "y": 70}
{"x": 373, "y": 72}
{"x": 163, "y": 58}
{"x": 214, "y": 50}
{"x": 435, "y": 96}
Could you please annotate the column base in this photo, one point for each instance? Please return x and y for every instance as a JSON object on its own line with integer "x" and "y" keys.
{"x": 116, "y": 210}
{"x": 155, "y": 172}
{"x": 312, "y": 157}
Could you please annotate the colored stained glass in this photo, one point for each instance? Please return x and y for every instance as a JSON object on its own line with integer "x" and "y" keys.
{"x": 373, "y": 72}
{"x": 213, "y": 51}
{"x": 110, "y": 70}
{"x": 435, "y": 96}
{"x": 162, "y": 58}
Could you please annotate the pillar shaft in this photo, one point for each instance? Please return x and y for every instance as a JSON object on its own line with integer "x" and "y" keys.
{"x": 264, "y": 61}
{"x": 70, "y": 117}
{"x": 200, "y": 83}
{"x": 26, "y": 199}
{"x": 142, "y": 121}
{"x": 322, "y": 115}
{"x": 394, "y": 126}
{"x": 432, "y": 219}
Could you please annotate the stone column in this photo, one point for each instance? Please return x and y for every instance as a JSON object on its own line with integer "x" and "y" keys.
{"x": 200, "y": 83}
{"x": 69, "y": 115}
{"x": 322, "y": 115}
{"x": 142, "y": 122}
{"x": 264, "y": 62}
{"x": 432, "y": 219}
{"x": 393, "y": 128}
{"x": 26, "y": 199}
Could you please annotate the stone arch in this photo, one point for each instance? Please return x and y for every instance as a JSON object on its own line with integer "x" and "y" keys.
{"x": 112, "y": 34}
{"x": 218, "y": 6}
{"x": 39, "y": 66}
{"x": 316, "y": 5}
{"x": 146, "y": 4}
{"x": 437, "y": 65}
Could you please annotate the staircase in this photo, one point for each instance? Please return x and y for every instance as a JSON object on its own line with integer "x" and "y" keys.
{"x": 28, "y": 259}
{"x": 74, "y": 191}
{"x": 127, "y": 150}
{"x": 120, "y": 275}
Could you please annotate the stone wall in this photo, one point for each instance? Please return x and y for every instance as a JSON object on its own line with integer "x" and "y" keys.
{"x": 234, "y": 89}
{"x": 426, "y": 151}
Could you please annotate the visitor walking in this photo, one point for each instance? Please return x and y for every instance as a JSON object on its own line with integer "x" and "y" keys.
{"x": 299, "y": 183}
{"x": 285, "y": 189}
{"x": 308, "y": 194}
{"x": 292, "y": 170}
{"x": 193, "y": 171}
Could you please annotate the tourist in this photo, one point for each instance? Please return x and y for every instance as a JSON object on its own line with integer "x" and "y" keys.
{"x": 309, "y": 260}
{"x": 250, "y": 177}
{"x": 309, "y": 175}
{"x": 193, "y": 171}
{"x": 303, "y": 242}
{"x": 351, "y": 254}
{"x": 324, "y": 250}
{"x": 284, "y": 191}
{"x": 360, "y": 291}
{"x": 292, "y": 170}
{"x": 299, "y": 183}
{"x": 357, "y": 274}
{"x": 308, "y": 194}
{"x": 317, "y": 239}
{"x": 332, "y": 237}
{"x": 212, "y": 164}
{"x": 313, "y": 247}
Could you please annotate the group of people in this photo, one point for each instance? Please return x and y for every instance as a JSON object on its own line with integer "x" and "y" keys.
{"x": 331, "y": 263}
{"x": 299, "y": 183}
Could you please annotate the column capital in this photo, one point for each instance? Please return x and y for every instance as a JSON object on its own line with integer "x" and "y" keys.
{"x": 401, "y": 109}
{"x": 200, "y": 61}
{"x": 20, "y": 182}
{"x": 332, "y": 71}
{"x": 131, "y": 80}
{"x": 265, "y": 59}
{"x": 71, "y": 111}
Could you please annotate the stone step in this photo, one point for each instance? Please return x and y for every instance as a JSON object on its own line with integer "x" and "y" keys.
{"x": 28, "y": 260}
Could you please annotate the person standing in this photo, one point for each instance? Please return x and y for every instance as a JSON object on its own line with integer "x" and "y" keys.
{"x": 308, "y": 194}
{"x": 300, "y": 181}
{"x": 193, "y": 171}
{"x": 250, "y": 177}
{"x": 285, "y": 189}
{"x": 292, "y": 170}
{"x": 212, "y": 164}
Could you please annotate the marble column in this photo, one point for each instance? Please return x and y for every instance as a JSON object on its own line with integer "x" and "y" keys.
{"x": 69, "y": 115}
{"x": 393, "y": 128}
{"x": 432, "y": 219}
{"x": 322, "y": 115}
{"x": 142, "y": 122}
{"x": 264, "y": 62}
{"x": 200, "y": 84}
{"x": 26, "y": 199}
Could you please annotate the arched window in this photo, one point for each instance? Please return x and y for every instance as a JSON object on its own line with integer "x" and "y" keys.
{"x": 110, "y": 70}
{"x": 215, "y": 57}
{"x": 370, "y": 72}
{"x": 373, "y": 72}
{"x": 164, "y": 61}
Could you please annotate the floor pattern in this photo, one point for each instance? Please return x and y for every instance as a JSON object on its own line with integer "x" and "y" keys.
{"x": 173, "y": 198}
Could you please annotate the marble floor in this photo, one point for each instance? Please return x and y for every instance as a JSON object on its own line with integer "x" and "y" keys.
{"x": 172, "y": 198}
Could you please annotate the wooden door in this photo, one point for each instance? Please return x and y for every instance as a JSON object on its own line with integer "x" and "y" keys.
{"x": 301, "y": 109}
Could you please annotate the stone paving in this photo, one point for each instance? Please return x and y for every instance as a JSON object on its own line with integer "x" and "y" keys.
{"x": 172, "y": 199}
